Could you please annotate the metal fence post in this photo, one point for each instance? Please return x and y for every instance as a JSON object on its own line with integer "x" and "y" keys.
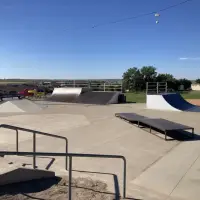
{"x": 166, "y": 87}
{"x": 157, "y": 89}
{"x": 17, "y": 140}
{"x": 70, "y": 179}
{"x": 74, "y": 83}
{"x": 121, "y": 87}
{"x": 34, "y": 150}
{"x": 147, "y": 85}
{"x": 104, "y": 87}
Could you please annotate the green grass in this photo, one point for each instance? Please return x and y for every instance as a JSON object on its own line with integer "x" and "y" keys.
{"x": 140, "y": 97}
{"x": 12, "y": 82}
{"x": 191, "y": 95}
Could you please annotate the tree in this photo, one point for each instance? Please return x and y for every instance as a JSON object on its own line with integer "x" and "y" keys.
{"x": 197, "y": 81}
{"x": 186, "y": 83}
{"x": 165, "y": 78}
{"x": 169, "y": 78}
{"x": 148, "y": 73}
{"x": 132, "y": 79}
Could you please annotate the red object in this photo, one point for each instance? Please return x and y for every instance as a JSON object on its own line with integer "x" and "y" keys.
{"x": 25, "y": 93}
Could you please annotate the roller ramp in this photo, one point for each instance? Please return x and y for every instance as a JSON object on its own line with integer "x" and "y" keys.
{"x": 99, "y": 98}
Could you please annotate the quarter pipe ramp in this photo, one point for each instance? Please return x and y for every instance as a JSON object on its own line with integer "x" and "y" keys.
{"x": 66, "y": 94}
{"x": 173, "y": 102}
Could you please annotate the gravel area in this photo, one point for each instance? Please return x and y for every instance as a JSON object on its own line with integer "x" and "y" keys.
{"x": 57, "y": 189}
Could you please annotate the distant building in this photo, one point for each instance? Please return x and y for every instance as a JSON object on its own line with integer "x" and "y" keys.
{"x": 196, "y": 87}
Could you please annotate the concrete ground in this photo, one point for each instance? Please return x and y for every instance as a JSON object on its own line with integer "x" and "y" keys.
{"x": 156, "y": 169}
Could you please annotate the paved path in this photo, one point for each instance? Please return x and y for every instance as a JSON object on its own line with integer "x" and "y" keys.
{"x": 156, "y": 169}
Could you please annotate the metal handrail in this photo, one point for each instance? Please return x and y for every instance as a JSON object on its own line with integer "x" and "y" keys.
{"x": 34, "y": 132}
{"x": 71, "y": 155}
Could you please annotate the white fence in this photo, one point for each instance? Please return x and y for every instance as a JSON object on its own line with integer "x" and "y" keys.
{"x": 94, "y": 85}
{"x": 156, "y": 87}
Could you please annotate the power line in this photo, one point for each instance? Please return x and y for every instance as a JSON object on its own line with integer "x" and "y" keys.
{"x": 172, "y": 6}
{"x": 137, "y": 16}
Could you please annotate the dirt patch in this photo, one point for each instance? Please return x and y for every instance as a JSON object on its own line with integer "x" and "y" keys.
{"x": 57, "y": 189}
{"x": 194, "y": 101}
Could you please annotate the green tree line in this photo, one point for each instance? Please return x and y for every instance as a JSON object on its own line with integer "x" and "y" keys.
{"x": 134, "y": 79}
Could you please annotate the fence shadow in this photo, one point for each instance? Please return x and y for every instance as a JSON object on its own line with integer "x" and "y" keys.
{"x": 52, "y": 160}
{"x": 30, "y": 189}
{"x": 116, "y": 184}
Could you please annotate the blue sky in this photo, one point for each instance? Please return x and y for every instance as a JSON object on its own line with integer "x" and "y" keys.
{"x": 53, "y": 38}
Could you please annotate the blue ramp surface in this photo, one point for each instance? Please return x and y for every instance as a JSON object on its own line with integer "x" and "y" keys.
{"x": 177, "y": 101}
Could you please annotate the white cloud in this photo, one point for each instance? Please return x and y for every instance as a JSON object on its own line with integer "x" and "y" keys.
{"x": 189, "y": 58}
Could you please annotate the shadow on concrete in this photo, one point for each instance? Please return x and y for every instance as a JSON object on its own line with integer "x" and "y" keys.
{"x": 116, "y": 184}
{"x": 52, "y": 160}
{"x": 28, "y": 187}
{"x": 128, "y": 102}
{"x": 180, "y": 135}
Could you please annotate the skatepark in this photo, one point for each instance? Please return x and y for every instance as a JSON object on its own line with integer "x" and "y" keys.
{"x": 156, "y": 168}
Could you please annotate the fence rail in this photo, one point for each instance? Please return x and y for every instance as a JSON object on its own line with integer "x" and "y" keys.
{"x": 71, "y": 155}
{"x": 156, "y": 87}
{"x": 95, "y": 86}
{"x": 34, "y": 132}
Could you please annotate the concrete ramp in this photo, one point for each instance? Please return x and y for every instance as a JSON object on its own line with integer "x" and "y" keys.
{"x": 99, "y": 98}
{"x": 18, "y": 106}
{"x": 14, "y": 173}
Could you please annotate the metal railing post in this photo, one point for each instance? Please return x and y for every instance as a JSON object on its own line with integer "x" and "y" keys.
{"x": 34, "y": 150}
{"x": 66, "y": 159}
{"x": 74, "y": 83}
{"x": 70, "y": 179}
{"x": 124, "y": 179}
{"x": 71, "y": 155}
{"x": 104, "y": 87}
{"x": 166, "y": 87}
{"x": 17, "y": 140}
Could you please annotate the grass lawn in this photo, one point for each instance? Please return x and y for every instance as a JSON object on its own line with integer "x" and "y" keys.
{"x": 140, "y": 97}
{"x": 12, "y": 82}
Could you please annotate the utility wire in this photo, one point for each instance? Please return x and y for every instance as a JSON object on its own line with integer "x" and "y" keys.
{"x": 137, "y": 16}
